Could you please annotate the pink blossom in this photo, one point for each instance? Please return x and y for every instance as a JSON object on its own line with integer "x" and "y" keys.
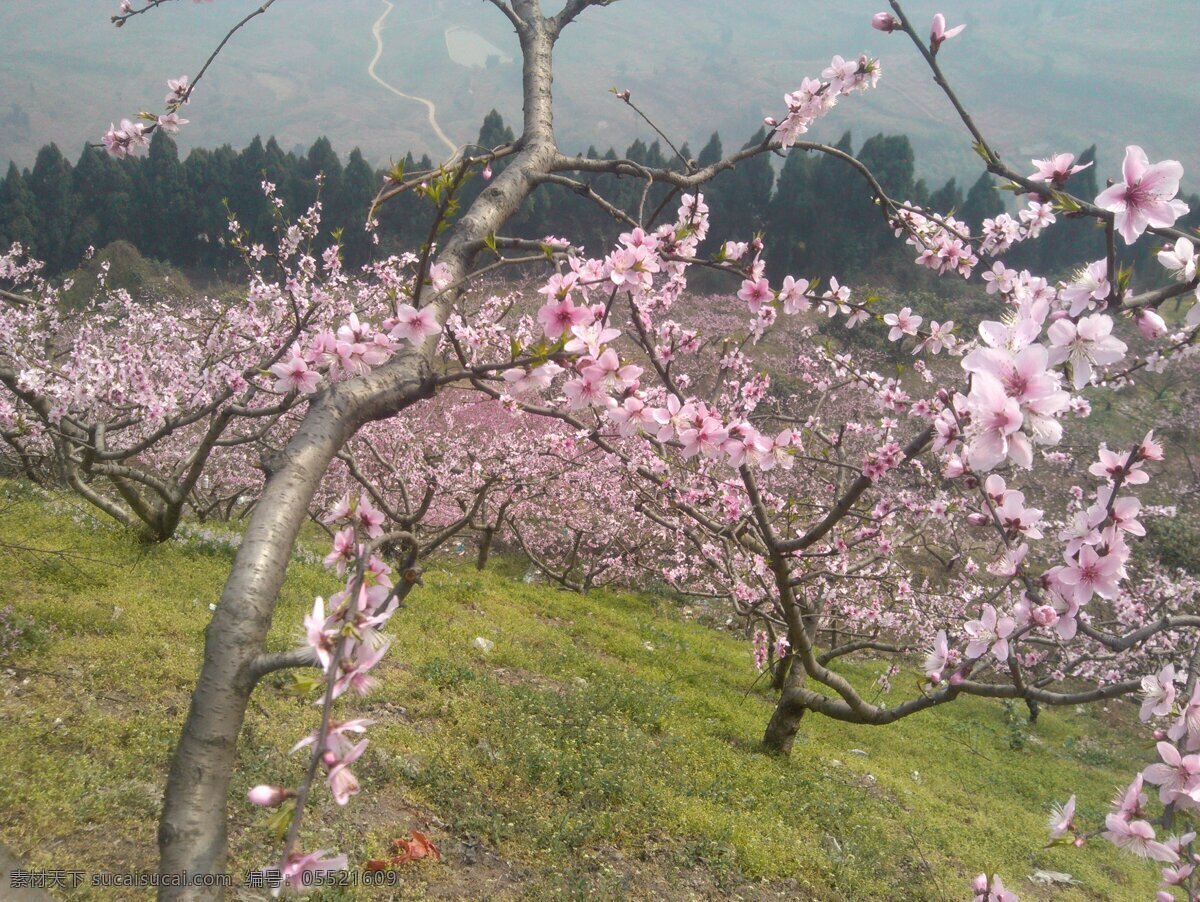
{"x": 990, "y": 631}
{"x": 370, "y": 519}
{"x": 1057, "y": 169}
{"x": 1084, "y": 344}
{"x": 557, "y": 317}
{"x": 903, "y": 323}
{"x": 342, "y": 782}
{"x": 939, "y": 34}
{"x": 171, "y": 123}
{"x": 995, "y": 420}
{"x": 319, "y": 637}
{"x": 1187, "y": 727}
{"x": 1177, "y": 777}
{"x": 1158, "y": 693}
{"x": 793, "y": 294}
{"x": 294, "y": 375}
{"x": 1062, "y": 819}
{"x": 523, "y": 382}
{"x": 938, "y": 657}
{"x": 1092, "y": 574}
{"x": 1180, "y": 260}
{"x": 756, "y": 292}
{"x": 1136, "y": 837}
{"x": 1146, "y": 196}
{"x": 415, "y": 325}
{"x": 708, "y": 438}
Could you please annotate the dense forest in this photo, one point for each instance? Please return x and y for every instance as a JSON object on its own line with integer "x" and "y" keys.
{"x": 816, "y": 212}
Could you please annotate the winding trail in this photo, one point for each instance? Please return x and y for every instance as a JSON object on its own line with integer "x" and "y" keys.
{"x": 431, "y": 110}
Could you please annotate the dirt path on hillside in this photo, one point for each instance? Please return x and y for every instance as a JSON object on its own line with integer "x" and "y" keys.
{"x": 430, "y": 108}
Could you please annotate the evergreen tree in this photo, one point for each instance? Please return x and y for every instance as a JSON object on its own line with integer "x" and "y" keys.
{"x": 163, "y": 197}
{"x": 786, "y": 248}
{"x": 821, "y": 221}
{"x": 348, "y": 209}
{"x": 738, "y": 198}
{"x": 983, "y": 202}
{"x": 867, "y": 235}
{"x": 211, "y": 180}
{"x": 106, "y": 209}
{"x": 18, "y": 213}
{"x": 947, "y": 199}
{"x": 50, "y": 183}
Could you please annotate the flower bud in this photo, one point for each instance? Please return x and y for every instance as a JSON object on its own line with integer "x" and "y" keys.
{"x": 888, "y": 23}
{"x": 980, "y": 884}
{"x": 1160, "y": 735}
{"x": 1151, "y": 325}
{"x": 268, "y": 796}
{"x": 977, "y": 519}
{"x": 1044, "y": 615}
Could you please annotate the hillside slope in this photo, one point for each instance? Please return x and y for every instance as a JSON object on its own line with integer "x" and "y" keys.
{"x": 604, "y": 748}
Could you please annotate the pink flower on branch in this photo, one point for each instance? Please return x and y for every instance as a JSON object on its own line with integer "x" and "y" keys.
{"x": 1057, "y": 169}
{"x": 413, "y": 325}
{"x": 1146, "y": 196}
{"x": 939, "y": 34}
{"x": 990, "y": 632}
{"x": 885, "y": 22}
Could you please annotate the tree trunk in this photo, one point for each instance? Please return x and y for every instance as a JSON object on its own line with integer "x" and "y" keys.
{"x": 192, "y": 831}
{"x": 191, "y": 834}
{"x": 785, "y": 720}
{"x": 485, "y": 548}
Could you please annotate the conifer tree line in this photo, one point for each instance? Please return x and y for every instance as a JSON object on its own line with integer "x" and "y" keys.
{"x": 818, "y": 213}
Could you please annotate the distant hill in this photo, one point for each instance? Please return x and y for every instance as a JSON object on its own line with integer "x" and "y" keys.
{"x": 1041, "y": 75}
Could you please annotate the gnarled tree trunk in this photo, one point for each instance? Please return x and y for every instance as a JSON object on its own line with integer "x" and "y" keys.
{"x": 192, "y": 831}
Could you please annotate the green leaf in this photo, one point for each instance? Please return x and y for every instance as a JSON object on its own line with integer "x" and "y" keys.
{"x": 281, "y": 821}
{"x": 303, "y": 682}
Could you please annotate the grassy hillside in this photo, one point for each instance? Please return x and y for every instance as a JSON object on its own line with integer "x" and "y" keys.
{"x": 604, "y": 748}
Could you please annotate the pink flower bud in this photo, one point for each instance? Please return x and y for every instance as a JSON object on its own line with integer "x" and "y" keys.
{"x": 943, "y": 395}
{"x": 977, "y": 519}
{"x": 888, "y": 23}
{"x": 1160, "y": 735}
{"x": 487, "y": 172}
{"x": 1151, "y": 325}
{"x": 268, "y": 796}
{"x": 329, "y": 758}
{"x": 1044, "y": 615}
{"x": 770, "y": 121}
{"x": 980, "y": 883}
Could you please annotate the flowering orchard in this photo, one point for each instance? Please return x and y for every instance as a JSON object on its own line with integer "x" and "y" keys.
{"x": 605, "y": 428}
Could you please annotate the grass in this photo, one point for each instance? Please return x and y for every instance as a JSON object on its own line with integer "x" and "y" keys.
{"x": 605, "y": 748}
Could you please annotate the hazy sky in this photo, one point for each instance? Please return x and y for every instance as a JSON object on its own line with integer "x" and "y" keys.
{"x": 1041, "y": 75}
